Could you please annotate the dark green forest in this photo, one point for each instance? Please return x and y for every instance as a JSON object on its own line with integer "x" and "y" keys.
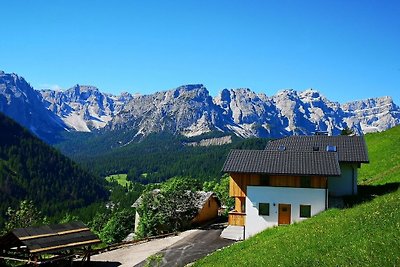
{"x": 156, "y": 158}
{"x": 36, "y": 178}
{"x": 31, "y": 169}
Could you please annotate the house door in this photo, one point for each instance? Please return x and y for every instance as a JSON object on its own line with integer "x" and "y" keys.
{"x": 284, "y": 211}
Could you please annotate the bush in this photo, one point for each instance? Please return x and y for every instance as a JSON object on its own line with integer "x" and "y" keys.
{"x": 118, "y": 226}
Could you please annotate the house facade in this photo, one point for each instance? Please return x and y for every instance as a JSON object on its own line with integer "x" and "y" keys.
{"x": 292, "y": 179}
{"x": 351, "y": 152}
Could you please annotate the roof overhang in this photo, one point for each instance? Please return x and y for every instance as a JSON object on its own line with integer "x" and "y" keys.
{"x": 282, "y": 163}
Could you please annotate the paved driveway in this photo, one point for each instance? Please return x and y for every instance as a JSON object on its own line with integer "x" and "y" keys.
{"x": 176, "y": 250}
{"x": 133, "y": 254}
{"x": 196, "y": 245}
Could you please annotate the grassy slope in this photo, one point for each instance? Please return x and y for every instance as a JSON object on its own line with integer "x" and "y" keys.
{"x": 384, "y": 155}
{"x": 119, "y": 178}
{"x": 365, "y": 235}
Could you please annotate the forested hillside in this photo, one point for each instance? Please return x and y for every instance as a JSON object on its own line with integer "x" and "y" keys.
{"x": 156, "y": 158}
{"x": 30, "y": 169}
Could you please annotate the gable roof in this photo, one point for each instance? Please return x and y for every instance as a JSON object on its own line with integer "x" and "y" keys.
{"x": 202, "y": 197}
{"x": 282, "y": 162}
{"x": 139, "y": 201}
{"x": 49, "y": 238}
{"x": 349, "y": 148}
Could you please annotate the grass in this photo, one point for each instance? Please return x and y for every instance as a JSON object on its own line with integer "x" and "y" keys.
{"x": 384, "y": 156}
{"x": 121, "y": 179}
{"x": 367, "y": 234}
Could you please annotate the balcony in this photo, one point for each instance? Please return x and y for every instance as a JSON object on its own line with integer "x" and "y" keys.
{"x": 236, "y": 218}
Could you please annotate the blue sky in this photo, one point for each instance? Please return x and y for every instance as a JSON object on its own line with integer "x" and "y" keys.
{"x": 348, "y": 50}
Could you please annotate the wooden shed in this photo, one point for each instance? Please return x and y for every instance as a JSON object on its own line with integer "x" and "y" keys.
{"x": 48, "y": 243}
{"x": 208, "y": 205}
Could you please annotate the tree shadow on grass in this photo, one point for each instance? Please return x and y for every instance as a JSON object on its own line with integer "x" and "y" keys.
{"x": 369, "y": 192}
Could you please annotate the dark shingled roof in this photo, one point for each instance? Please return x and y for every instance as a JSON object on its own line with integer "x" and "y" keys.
{"x": 349, "y": 148}
{"x": 282, "y": 162}
{"x": 49, "y": 238}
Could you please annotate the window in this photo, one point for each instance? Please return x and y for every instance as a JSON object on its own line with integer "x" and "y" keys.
{"x": 305, "y": 182}
{"x": 264, "y": 180}
{"x": 242, "y": 204}
{"x": 263, "y": 209}
{"x": 331, "y": 148}
{"x": 305, "y": 211}
{"x": 281, "y": 148}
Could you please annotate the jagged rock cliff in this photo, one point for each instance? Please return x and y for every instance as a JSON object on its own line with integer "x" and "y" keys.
{"x": 21, "y": 102}
{"x": 190, "y": 110}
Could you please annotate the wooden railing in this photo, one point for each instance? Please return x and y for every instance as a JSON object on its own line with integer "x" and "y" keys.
{"x": 236, "y": 218}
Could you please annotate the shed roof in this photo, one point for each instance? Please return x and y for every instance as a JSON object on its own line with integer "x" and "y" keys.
{"x": 282, "y": 162}
{"x": 202, "y": 197}
{"x": 49, "y": 238}
{"x": 349, "y": 148}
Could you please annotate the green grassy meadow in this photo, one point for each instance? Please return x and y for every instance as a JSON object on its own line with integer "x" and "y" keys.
{"x": 367, "y": 234}
{"x": 121, "y": 179}
{"x": 384, "y": 156}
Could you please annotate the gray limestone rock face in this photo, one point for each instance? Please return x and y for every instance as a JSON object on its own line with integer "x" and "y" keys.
{"x": 190, "y": 110}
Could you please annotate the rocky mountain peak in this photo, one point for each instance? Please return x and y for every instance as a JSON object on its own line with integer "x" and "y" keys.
{"x": 311, "y": 94}
{"x": 21, "y": 102}
{"x": 190, "y": 87}
{"x": 84, "y": 107}
{"x": 190, "y": 110}
{"x": 370, "y": 103}
{"x": 373, "y": 114}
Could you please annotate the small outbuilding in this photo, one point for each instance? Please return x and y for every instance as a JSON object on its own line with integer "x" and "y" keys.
{"x": 207, "y": 204}
{"x": 48, "y": 243}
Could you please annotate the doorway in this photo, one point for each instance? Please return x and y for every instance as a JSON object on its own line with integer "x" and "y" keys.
{"x": 284, "y": 212}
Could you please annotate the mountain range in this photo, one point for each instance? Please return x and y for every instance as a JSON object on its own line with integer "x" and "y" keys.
{"x": 189, "y": 110}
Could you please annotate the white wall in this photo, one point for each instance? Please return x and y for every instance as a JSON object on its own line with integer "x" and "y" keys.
{"x": 345, "y": 183}
{"x": 275, "y": 195}
{"x": 137, "y": 219}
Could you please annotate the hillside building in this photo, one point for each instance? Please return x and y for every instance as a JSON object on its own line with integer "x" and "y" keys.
{"x": 291, "y": 180}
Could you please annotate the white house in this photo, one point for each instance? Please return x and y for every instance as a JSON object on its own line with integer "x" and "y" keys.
{"x": 291, "y": 179}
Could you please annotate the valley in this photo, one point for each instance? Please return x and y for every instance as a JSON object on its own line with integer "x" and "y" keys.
{"x": 129, "y": 145}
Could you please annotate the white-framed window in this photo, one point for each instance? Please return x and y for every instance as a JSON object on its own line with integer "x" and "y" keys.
{"x": 263, "y": 209}
{"x": 305, "y": 211}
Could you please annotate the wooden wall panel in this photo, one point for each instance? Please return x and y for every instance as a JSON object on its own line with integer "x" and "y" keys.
{"x": 208, "y": 212}
{"x": 240, "y": 181}
{"x": 284, "y": 180}
{"x": 318, "y": 182}
{"x": 239, "y": 202}
{"x": 236, "y": 219}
